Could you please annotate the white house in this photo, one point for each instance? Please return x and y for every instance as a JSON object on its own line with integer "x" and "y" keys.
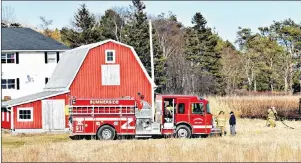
{"x": 28, "y": 59}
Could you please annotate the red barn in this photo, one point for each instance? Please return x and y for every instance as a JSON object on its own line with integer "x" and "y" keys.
{"x": 108, "y": 69}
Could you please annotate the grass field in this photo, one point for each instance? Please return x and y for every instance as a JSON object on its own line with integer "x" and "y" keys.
{"x": 253, "y": 142}
{"x": 256, "y": 106}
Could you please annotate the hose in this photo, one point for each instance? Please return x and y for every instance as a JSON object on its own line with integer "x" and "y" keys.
{"x": 281, "y": 119}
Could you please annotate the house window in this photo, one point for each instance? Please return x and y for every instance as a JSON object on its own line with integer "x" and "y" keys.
{"x": 8, "y": 57}
{"x": 110, "y": 74}
{"x": 110, "y": 56}
{"x": 51, "y": 57}
{"x": 8, "y": 83}
{"x": 25, "y": 114}
{"x": 46, "y": 80}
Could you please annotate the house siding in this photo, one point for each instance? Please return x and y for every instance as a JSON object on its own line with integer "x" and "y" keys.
{"x": 32, "y": 64}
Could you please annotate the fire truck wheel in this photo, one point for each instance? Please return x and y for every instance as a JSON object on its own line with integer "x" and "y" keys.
{"x": 183, "y": 132}
{"x": 106, "y": 133}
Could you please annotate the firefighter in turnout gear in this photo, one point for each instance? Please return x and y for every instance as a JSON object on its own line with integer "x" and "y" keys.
{"x": 221, "y": 122}
{"x": 272, "y": 115}
{"x": 169, "y": 112}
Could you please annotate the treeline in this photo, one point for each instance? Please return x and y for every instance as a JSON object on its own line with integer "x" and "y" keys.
{"x": 195, "y": 60}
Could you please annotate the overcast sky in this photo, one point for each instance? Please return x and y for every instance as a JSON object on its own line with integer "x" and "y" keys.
{"x": 226, "y": 17}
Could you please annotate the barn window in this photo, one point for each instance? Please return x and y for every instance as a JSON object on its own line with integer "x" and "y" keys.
{"x": 8, "y": 83}
{"x": 110, "y": 56}
{"x": 110, "y": 74}
{"x": 8, "y": 57}
{"x": 25, "y": 114}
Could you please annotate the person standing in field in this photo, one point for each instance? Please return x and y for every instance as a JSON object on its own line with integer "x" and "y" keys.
{"x": 272, "y": 113}
{"x": 221, "y": 122}
{"x": 232, "y": 123}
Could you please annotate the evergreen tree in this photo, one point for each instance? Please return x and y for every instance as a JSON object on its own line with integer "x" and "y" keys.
{"x": 137, "y": 32}
{"x": 111, "y": 24}
{"x": 84, "y": 31}
{"x": 201, "y": 52}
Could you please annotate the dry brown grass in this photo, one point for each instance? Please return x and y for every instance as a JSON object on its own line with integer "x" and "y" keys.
{"x": 253, "y": 142}
{"x": 256, "y": 106}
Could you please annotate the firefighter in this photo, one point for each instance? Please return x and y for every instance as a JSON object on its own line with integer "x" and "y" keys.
{"x": 221, "y": 122}
{"x": 169, "y": 111}
{"x": 272, "y": 114}
{"x": 169, "y": 108}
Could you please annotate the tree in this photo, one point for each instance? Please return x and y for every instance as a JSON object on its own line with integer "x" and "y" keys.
{"x": 84, "y": 29}
{"x": 8, "y": 15}
{"x": 45, "y": 26}
{"x": 262, "y": 59}
{"x": 232, "y": 64}
{"x": 137, "y": 32}
{"x": 167, "y": 42}
{"x": 204, "y": 59}
{"x": 288, "y": 34}
{"x": 112, "y": 23}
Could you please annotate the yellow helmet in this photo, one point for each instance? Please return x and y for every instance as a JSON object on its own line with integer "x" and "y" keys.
{"x": 273, "y": 108}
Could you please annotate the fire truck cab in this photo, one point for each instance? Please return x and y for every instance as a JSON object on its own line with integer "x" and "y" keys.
{"x": 180, "y": 116}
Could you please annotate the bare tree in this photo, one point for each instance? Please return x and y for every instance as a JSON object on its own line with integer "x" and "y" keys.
{"x": 120, "y": 20}
{"x": 45, "y": 26}
{"x": 8, "y": 15}
{"x": 168, "y": 33}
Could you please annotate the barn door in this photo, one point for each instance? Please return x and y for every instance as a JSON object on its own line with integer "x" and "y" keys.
{"x": 46, "y": 114}
{"x": 53, "y": 114}
{"x": 58, "y": 114}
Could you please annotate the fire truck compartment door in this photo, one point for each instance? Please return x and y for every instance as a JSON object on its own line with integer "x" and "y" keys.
{"x": 182, "y": 109}
{"x": 197, "y": 118}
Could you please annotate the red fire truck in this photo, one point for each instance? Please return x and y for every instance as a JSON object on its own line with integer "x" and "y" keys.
{"x": 108, "y": 118}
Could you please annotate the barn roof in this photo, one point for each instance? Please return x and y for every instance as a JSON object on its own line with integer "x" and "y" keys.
{"x": 71, "y": 62}
{"x": 27, "y": 39}
{"x": 31, "y": 98}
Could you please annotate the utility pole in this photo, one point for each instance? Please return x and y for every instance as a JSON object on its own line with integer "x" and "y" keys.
{"x": 152, "y": 68}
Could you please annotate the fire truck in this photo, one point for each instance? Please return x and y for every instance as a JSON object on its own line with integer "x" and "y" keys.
{"x": 106, "y": 119}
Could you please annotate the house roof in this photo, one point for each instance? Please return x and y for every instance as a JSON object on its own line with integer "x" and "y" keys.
{"x": 28, "y": 39}
{"x": 31, "y": 98}
{"x": 70, "y": 63}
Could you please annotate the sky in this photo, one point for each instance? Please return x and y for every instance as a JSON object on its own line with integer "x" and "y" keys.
{"x": 224, "y": 16}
